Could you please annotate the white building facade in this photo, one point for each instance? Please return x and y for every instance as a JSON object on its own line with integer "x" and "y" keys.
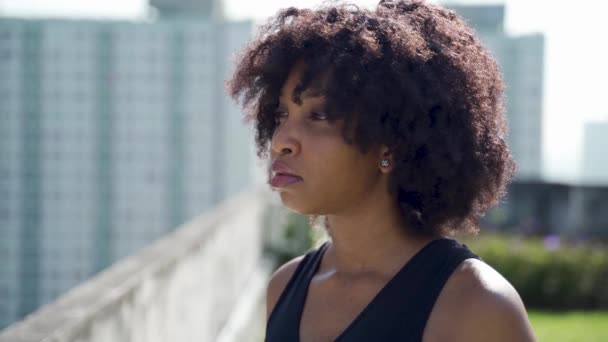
{"x": 595, "y": 155}
{"x": 521, "y": 59}
{"x": 111, "y": 134}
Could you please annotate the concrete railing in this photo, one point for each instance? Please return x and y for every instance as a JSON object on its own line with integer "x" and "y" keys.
{"x": 203, "y": 282}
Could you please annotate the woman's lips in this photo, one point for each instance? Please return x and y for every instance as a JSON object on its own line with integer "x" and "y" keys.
{"x": 282, "y": 175}
{"x": 282, "y": 180}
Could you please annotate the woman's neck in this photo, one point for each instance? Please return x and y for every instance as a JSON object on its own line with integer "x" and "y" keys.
{"x": 373, "y": 240}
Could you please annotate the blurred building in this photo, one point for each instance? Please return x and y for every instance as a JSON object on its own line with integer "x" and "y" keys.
{"x": 189, "y": 8}
{"x": 595, "y": 157}
{"x": 111, "y": 133}
{"x": 542, "y": 208}
{"x": 521, "y": 59}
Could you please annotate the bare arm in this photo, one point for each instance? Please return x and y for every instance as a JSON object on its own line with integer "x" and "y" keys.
{"x": 495, "y": 316}
{"x": 479, "y": 304}
{"x": 277, "y": 283}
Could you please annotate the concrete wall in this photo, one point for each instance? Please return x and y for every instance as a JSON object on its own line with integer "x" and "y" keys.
{"x": 203, "y": 282}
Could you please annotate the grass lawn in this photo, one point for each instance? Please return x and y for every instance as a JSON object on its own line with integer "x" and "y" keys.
{"x": 570, "y": 326}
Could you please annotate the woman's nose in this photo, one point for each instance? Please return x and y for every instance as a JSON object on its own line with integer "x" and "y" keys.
{"x": 284, "y": 141}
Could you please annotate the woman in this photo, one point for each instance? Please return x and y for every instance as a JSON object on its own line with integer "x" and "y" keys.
{"x": 389, "y": 123}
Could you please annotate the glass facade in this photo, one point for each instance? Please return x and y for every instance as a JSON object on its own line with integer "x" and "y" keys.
{"x": 111, "y": 134}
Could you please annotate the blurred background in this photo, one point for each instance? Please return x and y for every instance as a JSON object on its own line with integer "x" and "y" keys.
{"x": 133, "y": 207}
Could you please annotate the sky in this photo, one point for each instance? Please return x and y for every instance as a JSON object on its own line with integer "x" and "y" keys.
{"x": 575, "y": 52}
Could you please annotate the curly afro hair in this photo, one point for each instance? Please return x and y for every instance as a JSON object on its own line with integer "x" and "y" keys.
{"x": 408, "y": 75}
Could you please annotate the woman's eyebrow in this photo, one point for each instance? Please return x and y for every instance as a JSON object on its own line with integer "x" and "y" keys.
{"x": 312, "y": 92}
{"x": 311, "y": 95}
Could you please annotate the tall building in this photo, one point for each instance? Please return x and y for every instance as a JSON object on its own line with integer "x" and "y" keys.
{"x": 111, "y": 134}
{"x": 521, "y": 59}
{"x": 189, "y": 8}
{"x": 595, "y": 161}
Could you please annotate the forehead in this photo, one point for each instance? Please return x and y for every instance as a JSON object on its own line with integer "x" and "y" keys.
{"x": 314, "y": 89}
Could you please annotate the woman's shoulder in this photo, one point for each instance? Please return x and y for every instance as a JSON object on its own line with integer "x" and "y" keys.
{"x": 280, "y": 279}
{"x": 478, "y": 304}
{"x": 278, "y": 282}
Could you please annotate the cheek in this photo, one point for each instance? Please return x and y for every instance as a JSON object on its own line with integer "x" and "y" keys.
{"x": 342, "y": 172}
{"x": 336, "y": 173}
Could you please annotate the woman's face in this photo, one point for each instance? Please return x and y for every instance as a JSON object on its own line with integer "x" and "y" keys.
{"x": 335, "y": 176}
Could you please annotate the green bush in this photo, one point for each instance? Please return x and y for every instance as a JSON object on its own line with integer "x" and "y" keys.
{"x": 565, "y": 277}
{"x": 296, "y": 238}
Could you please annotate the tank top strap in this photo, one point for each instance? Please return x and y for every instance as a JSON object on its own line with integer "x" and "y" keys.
{"x": 401, "y": 310}
{"x": 398, "y": 313}
{"x": 443, "y": 261}
{"x": 283, "y": 322}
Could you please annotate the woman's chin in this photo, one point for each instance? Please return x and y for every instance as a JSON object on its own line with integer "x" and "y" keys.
{"x": 296, "y": 206}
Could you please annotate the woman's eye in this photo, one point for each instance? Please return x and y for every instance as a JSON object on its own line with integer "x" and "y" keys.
{"x": 279, "y": 115}
{"x": 319, "y": 116}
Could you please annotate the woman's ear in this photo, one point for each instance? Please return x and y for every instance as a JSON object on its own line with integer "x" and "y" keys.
{"x": 386, "y": 162}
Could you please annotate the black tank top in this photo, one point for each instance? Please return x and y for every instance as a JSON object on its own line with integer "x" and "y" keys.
{"x": 397, "y": 313}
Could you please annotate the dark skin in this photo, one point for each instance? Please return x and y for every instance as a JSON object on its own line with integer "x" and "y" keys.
{"x": 369, "y": 242}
